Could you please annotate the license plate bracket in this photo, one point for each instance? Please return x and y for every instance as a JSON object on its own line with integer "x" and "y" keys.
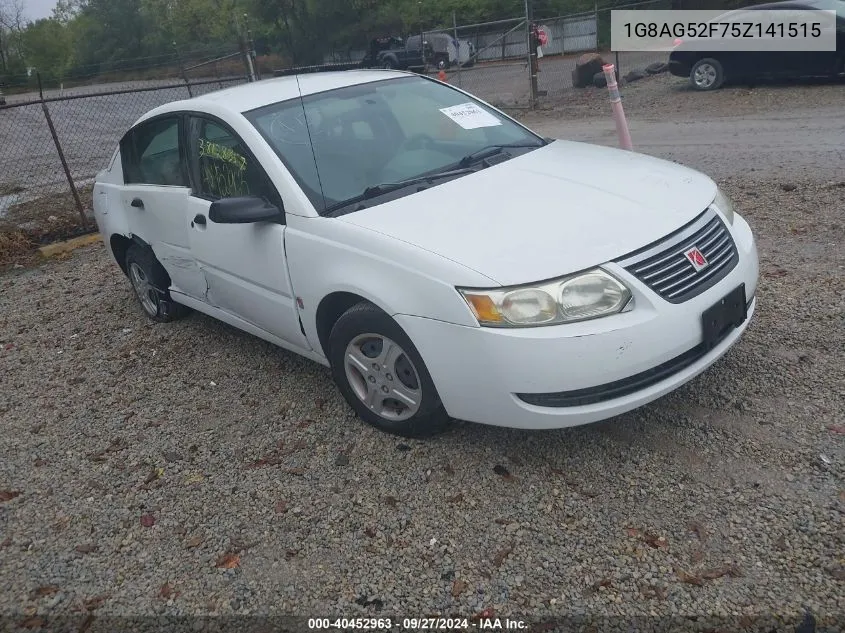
{"x": 726, "y": 314}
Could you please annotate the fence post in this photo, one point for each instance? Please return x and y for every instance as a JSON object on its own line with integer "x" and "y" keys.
{"x": 250, "y": 72}
{"x": 253, "y": 57}
{"x": 596, "y": 22}
{"x": 182, "y": 69}
{"x": 457, "y": 45}
{"x": 532, "y": 51}
{"x": 61, "y": 153}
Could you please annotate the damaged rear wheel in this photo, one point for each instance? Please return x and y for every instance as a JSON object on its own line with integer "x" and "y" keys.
{"x": 151, "y": 282}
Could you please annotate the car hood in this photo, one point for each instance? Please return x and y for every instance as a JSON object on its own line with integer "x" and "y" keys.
{"x": 555, "y": 210}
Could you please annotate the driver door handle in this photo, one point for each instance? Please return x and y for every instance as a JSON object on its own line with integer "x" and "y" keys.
{"x": 137, "y": 203}
{"x": 199, "y": 218}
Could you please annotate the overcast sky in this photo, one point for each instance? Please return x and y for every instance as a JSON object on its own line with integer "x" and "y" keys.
{"x": 36, "y": 9}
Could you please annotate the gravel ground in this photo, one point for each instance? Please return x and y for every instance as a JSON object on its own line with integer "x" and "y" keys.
{"x": 772, "y": 133}
{"x": 146, "y": 454}
{"x": 190, "y": 469}
{"x": 663, "y": 96}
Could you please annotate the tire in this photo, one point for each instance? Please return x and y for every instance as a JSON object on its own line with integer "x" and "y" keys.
{"x": 387, "y": 64}
{"x": 441, "y": 61}
{"x": 707, "y": 74}
{"x": 150, "y": 282}
{"x": 360, "y": 336}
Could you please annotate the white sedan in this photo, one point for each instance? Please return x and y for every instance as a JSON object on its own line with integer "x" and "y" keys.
{"x": 442, "y": 259}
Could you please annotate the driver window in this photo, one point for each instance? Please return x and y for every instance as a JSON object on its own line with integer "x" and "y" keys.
{"x": 226, "y": 169}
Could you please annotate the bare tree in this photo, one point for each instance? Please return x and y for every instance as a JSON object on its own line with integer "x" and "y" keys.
{"x": 12, "y": 23}
{"x": 66, "y": 10}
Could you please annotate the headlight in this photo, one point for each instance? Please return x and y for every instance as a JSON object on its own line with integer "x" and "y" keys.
{"x": 724, "y": 204}
{"x": 577, "y": 298}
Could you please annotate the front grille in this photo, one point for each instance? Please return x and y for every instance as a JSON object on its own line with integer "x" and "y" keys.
{"x": 665, "y": 269}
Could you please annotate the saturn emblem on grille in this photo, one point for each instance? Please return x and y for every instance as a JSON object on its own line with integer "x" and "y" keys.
{"x": 696, "y": 258}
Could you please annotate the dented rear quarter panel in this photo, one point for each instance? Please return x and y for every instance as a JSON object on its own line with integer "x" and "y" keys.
{"x": 108, "y": 207}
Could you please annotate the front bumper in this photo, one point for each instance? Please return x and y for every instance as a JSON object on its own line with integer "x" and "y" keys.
{"x": 478, "y": 371}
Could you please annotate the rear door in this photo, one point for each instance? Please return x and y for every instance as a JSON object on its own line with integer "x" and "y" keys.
{"x": 155, "y": 196}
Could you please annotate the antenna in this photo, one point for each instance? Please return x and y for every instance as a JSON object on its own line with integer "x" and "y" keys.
{"x": 310, "y": 140}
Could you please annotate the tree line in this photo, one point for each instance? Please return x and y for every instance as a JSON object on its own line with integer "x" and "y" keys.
{"x": 89, "y": 37}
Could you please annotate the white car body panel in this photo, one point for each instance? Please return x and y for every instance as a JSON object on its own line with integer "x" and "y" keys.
{"x": 246, "y": 272}
{"x": 554, "y": 211}
{"x": 327, "y": 256}
{"x": 162, "y": 224}
{"x": 235, "y": 321}
{"x": 587, "y": 216}
{"x": 502, "y": 362}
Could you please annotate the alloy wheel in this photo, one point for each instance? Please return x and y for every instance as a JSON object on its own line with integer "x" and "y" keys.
{"x": 383, "y": 377}
{"x": 705, "y": 76}
{"x": 147, "y": 294}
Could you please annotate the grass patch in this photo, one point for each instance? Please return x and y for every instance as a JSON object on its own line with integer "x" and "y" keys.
{"x": 14, "y": 246}
{"x": 34, "y": 223}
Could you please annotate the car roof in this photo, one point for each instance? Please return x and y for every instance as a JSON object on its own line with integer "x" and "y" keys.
{"x": 249, "y": 96}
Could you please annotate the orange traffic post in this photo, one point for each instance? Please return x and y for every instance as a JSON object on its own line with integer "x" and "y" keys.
{"x": 616, "y": 104}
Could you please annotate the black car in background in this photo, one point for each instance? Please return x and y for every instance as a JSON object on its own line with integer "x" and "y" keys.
{"x": 708, "y": 70}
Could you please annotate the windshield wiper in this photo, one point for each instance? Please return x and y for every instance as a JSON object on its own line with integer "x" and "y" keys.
{"x": 387, "y": 187}
{"x": 491, "y": 150}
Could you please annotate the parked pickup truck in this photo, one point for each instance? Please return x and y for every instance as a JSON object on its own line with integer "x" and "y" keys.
{"x": 446, "y": 51}
{"x": 394, "y": 52}
{"x": 384, "y": 52}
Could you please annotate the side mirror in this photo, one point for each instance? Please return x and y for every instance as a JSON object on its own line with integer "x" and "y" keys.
{"x": 243, "y": 210}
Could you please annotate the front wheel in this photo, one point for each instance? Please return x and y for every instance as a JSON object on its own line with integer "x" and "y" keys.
{"x": 382, "y": 375}
{"x": 707, "y": 74}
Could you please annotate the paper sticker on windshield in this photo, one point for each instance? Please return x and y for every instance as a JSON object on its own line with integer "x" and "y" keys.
{"x": 469, "y": 116}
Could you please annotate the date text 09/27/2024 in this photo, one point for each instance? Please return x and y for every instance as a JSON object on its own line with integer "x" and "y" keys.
{"x": 417, "y": 624}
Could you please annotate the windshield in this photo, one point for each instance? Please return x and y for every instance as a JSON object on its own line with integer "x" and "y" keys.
{"x": 369, "y": 135}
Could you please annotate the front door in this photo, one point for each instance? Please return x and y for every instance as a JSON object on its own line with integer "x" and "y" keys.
{"x": 155, "y": 194}
{"x": 244, "y": 264}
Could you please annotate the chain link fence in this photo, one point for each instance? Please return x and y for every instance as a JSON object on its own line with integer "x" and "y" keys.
{"x": 492, "y": 60}
{"x": 48, "y": 142}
